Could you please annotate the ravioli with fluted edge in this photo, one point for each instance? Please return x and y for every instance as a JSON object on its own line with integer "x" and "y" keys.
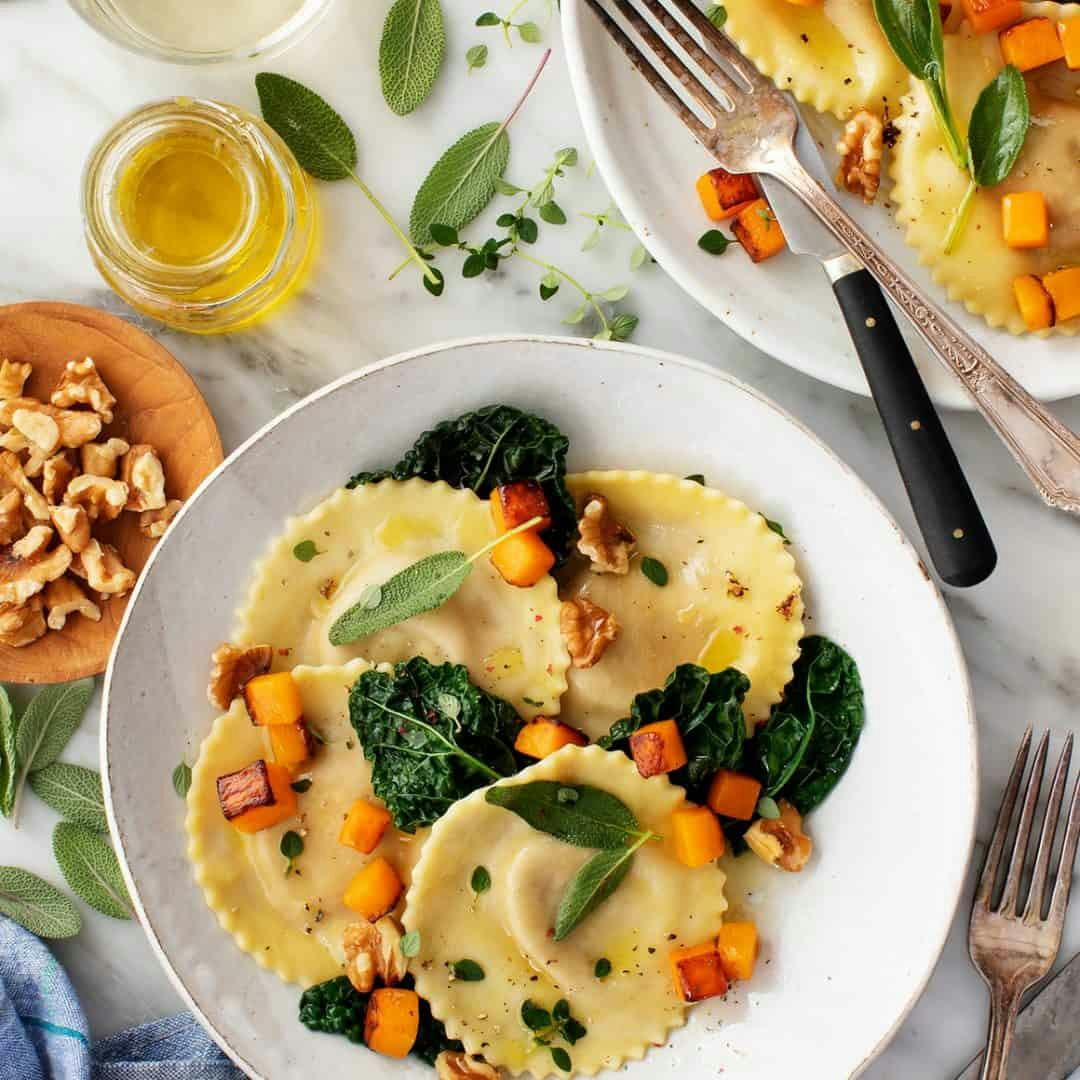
{"x": 291, "y": 924}
{"x": 831, "y": 55}
{"x": 660, "y": 905}
{"x": 928, "y": 186}
{"x": 507, "y": 637}
{"x": 732, "y": 599}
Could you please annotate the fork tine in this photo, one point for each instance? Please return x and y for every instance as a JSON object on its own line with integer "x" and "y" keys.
{"x": 651, "y": 75}
{"x": 705, "y": 96}
{"x": 1037, "y": 892}
{"x": 721, "y": 43}
{"x": 676, "y": 29}
{"x": 997, "y": 841}
{"x": 1068, "y": 856}
{"x": 1011, "y": 892}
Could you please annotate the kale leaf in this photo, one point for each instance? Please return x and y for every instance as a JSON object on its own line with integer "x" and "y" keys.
{"x": 431, "y": 1038}
{"x": 495, "y": 445}
{"x": 708, "y": 711}
{"x": 431, "y": 737}
{"x": 807, "y": 744}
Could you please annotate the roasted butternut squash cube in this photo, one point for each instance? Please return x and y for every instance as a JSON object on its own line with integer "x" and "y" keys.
{"x": 657, "y": 748}
{"x": 1031, "y": 43}
{"x": 392, "y": 1021}
{"x": 757, "y": 229}
{"x": 364, "y": 826}
{"x": 724, "y": 194}
{"x": 697, "y": 836}
{"x": 273, "y": 699}
{"x": 1025, "y": 220}
{"x": 292, "y": 744}
{"x": 374, "y": 891}
{"x": 733, "y": 794}
{"x": 256, "y": 797}
{"x": 514, "y": 504}
{"x": 543, "y": 736}
{"x": 1064, "y": 289}
{"x": 1069, "y": 32}
{"x": 698, "y": 972}
{"x": 1034, "y": 302}
{"x": 523, "y": 559}
{"x": 984, "y": 16}
{"x": 737, "y": 944}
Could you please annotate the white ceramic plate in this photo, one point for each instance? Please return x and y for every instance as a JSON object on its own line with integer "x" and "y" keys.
{"x": 849, "y": 943}
{"x": 784, "y": 306}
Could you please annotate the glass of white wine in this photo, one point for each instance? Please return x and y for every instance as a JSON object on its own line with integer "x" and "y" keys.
{"x": 202, "y": 31}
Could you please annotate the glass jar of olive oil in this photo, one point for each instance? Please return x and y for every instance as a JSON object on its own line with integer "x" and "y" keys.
{"x": 197, "y": 214}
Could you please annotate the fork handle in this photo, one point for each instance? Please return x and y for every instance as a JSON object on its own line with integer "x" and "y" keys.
{"x": 949, "y": 519}
{"x": 1043, "y": 447}
{"x": 1004, "y": 1007}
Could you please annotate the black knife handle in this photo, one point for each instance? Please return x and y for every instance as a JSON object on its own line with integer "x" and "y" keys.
{"x": 953, "y": 529}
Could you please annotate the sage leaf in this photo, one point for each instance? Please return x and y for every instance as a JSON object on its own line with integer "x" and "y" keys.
{"x": 73, "y": 792}
{"x": 423, "y": 586}
{"x": 999, "y": 124}
{"x": 46, "y": 726}
{"x": 8, "y": 761}
{"x": 596, "y": 819}
{"x": 591, "y": 886}
{"x": 36, "y": 905}
{"x": 462, "y": 182}
{"x": 181, "y": 780}
{"x": 318, "y": 137}
{"x": 90, "y": 867}
{"x": 411, "y": 53}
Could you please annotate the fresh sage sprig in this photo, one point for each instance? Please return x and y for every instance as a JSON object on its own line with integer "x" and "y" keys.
{"x": 91, "y": 869}
{"x": 73, "y": 792}
{"x": 325, "y": 147}
{"x": 527, "y": 31}
{"x": 996, "y": 133}
{"x": 423, "y": 586}
{"x": 613, "y": 219}
{"x": 36, "y": 905}
{"x": 593, "y": 884}
{"x": 411, "y": 53}
{"x": 7, "y": 754}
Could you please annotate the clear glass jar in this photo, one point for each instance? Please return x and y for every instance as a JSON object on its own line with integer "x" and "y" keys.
{"x": 198, "y": 214}
{"x": 202, "y": 31}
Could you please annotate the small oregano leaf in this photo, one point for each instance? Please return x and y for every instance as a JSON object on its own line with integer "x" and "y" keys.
{"x": 480, "y": 881}
{"x": 181, "y": 779}
{"x": 305, "y": 551}
{"x": 36, "y": 905}
{"x": 90, "y": 868}
{"x": 467, "y": 971}
{"x": 714, "y": 242}
{"x": 654, "y": 570}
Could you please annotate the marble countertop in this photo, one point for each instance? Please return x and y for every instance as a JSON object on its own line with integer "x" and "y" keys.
{"x": 61, "y": 87}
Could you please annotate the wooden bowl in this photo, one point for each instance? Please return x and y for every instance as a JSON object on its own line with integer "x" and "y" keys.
{"x": 157, "y": 403}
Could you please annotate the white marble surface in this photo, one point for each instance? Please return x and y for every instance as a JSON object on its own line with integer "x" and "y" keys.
{"x": 61, "y": 87}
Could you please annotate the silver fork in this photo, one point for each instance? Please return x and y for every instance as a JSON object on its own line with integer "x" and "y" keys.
{"x": 752, "y": 130}
{"x": 1012, "y": 951}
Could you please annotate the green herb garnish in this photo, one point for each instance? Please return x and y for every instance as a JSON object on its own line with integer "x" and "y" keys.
{"x": 528, "y": 31}
{"x": 476, "y": 57}
{"x": 603, "y": 968}
{"x": 767, "y": 808}
{"x": 292, "y": 847}
{"x": 480, "y": 881}
{"x": 467, "y": 970}
{"x": 91, "y": 869}
{"x": 181, "y": 779}
{"x": 714, "y": 242}
{"x": 654, "y": 570}
{"x": 305, "y": 551}
{"x": 300, "y": 786}
{"x": 717, "y": 15}
{"x": 548, "y": 1026}
{"x": 36, "y": 905}
{"x": 74, "y": 793}
{"x": 411, "y": 53}
{"x": 777, "y": 528}
{"x": 696, "y": 478}
{"x": 410, "y": 944}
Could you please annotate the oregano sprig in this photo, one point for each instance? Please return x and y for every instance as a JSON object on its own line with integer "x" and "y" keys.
{"x": 527, "y": 31}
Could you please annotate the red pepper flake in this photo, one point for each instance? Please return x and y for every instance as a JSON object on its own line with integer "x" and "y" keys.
{"x": 490, "y": 667}
{"x": 538, "y": 618}
{"x": 738, "y": 629}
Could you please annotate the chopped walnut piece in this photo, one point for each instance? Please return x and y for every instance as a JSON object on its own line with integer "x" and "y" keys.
{"x": 21, "y": 578}
{"x": 33, "y": 543}
{"x": 73, "y": 526}
{"x": 13, "y": 476}
{"x": 13, "y": 378}
{"x": 457, "y": 1065}
{"x": 781, "y": 841}
{"x": 141, "y": 470}
{"x": 56, "y": 474}
{"x": 587, "y": 630}
{"x": 373, "y": 951}
{"x": 860, "y": 150}
{"x": 82, "y": 384}
{"x": 39, "y": 429}
{"x": 22, "y": 624}
{"x": 232, "y": 668}
{"x": 153, "y": 523}
{"x": 100, "y": 459}
{"x": 11, "y": 517}
{"x": 63, "y": 597}
{"x": 100, "y": 497}
{"x": 100, "y": 564}
{"x": 15, "y": 441}
{"x": 75, "y": 428}
{"x": 604, "y": 541}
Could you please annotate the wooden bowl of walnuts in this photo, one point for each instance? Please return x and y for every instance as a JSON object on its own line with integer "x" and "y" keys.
{"x": 103, "y": 435}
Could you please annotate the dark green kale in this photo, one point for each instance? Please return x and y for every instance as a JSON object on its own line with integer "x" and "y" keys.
{"x": 708, "y": 711}
{"x": 431, "y": 737}
{"x": 335, "y": 1007}
{"x": 431, "y": 1039}
{"x": 495, "y": 445}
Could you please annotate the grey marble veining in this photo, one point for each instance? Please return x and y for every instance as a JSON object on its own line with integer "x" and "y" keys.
{"x": 60, "y": 87}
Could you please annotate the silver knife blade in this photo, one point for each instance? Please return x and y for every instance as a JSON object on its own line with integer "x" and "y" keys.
{"x": 1046, "y": 1046}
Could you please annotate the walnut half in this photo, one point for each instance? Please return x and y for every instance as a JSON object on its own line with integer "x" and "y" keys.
{"x": 22, "y": 624}
{"x": 13, "y": 378}
{"x": 154, "y": 523}
{"x": 100, "y": 564}
{"x": 232, "y": 669}
{"x": 860, "y": 149}
{"x": 81, "y": 384}
{"x": 587, "y": 630}
{"x": 142, "y": 471}
{"x": 63, "y": 597}
{"x": 373, "y": 951}
{"x": 607, "y": 543}
{"x": 781, "y": 841}
{"x": 457, "y": 1065}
